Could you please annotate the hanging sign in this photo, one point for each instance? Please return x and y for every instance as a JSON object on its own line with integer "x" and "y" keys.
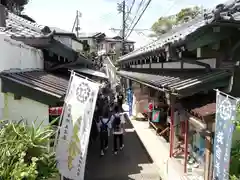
{"x": 155, "y": 116}
{"x": 71, "y": 149}
{"x": 226, "y": 108}
{"x": 55, "y": 111}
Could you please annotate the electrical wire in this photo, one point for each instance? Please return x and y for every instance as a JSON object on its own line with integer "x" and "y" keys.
{"x": 136, "y": 13}
{"x": 130, "y": 10}
{"x": 149, "y": 1}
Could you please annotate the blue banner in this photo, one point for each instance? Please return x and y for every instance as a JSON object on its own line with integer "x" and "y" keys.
{"x": 226, "y": 108}
{"x": 130, "y": 100}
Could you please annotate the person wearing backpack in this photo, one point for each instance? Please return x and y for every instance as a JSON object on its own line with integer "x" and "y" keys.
{"x": 117, "y": 121}
{"x": 104, "y": 131}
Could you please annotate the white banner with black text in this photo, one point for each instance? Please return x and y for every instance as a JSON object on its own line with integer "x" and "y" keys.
{"x": 72, "y": 144}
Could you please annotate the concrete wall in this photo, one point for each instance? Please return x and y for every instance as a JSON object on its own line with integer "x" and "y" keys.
{"x": 26, "y": 109}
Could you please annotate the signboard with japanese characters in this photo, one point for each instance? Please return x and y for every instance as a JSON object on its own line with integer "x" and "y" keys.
{"x": 71, "y": 149}
{"x": 225, "y": 116}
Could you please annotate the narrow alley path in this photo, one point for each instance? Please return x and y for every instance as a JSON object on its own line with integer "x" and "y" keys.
{"x": 132, "y": 163}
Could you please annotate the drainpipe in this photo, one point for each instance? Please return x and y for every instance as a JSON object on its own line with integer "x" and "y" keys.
{"x": 3, "y": 15}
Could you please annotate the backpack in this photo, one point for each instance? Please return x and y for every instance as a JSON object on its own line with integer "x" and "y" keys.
{"x": 104, "y": 126}
{"x": 117, "y": 123}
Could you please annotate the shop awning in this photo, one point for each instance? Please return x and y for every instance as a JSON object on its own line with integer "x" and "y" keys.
{"x": 37, "y": 85}
{"x": 90, "y": 72}
{"x": 181, "y": 83}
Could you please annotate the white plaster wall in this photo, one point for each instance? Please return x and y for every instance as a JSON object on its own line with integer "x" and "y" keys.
{"x": 17, "y": 55}
{"x": 77, "y": 46}
{"x": 26, "y": 109}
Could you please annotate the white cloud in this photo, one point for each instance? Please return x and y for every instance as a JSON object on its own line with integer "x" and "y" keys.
{"x": 101, "y": 15}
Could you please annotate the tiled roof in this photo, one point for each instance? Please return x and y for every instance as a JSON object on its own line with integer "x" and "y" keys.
{"x": 19, "y": 26}
{"x": 58, "y": 30}
{"x": 40, "y": 81}
{"x": 91, "y": 72}
{"x": 230, "y": 11}
{"x": 178, "y": 81}
{"x": 117, "y": 40}
{"x": 90, "y": 35}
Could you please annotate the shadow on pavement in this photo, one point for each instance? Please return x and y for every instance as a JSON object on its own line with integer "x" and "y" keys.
{"x": 131, "y": 163}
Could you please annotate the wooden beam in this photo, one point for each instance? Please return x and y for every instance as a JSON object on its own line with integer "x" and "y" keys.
{"x": 172, "y": 105}
{"x": 186, "y": 146}
{"x": 207, "y": 166}
{"x": 208, "y": 38}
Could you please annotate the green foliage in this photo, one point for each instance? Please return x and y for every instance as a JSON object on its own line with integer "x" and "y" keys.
{"x": 235, "y": 154}
{"x": 187, "y": 13}
{"x": 25, "y": 152}
{"x": 164, "y": 24}
{"x": 235, "y": 162}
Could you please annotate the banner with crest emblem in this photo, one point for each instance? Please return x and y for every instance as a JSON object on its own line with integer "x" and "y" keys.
{"x": 76, "y": 121}
{"x": 226, "y": 109}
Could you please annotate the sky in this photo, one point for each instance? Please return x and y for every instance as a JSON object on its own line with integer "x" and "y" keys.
{"x": 101, "y": 15}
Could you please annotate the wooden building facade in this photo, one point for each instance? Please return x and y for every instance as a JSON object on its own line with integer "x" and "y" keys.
{"x": 180, "y": 72}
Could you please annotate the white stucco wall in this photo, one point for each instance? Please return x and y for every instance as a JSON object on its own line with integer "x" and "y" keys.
{"x": 17, "y": 55}
{"x": 26, "y": 109}
{"x": 65, "y": 40}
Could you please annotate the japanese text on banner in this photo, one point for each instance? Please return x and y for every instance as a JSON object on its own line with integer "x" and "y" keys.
{"x": 74, "y": 135}
{"x": 224, "y": 127}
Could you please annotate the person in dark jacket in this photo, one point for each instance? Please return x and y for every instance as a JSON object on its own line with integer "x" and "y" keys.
{"x": 120, "y": 99}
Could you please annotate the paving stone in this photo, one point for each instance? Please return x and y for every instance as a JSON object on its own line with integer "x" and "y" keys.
{"x": 132, "y": 163}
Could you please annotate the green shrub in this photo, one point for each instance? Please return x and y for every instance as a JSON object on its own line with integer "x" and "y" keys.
{"x": 25, "y": 152}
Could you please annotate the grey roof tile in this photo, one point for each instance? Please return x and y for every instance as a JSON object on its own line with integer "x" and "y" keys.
{"x": 177, "y": 81}
{"x": 40, "y": 81}
{"x": 19, "y": 26}
{"x": 229, "y": 11}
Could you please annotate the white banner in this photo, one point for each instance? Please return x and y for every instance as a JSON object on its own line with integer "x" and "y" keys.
{"x": 71, "y": 149}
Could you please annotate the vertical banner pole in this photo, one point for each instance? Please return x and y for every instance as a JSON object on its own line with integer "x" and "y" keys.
{"x": 172, "y": 102}
{"x": 63, "y": 108}
{"x": 226, "y": 111}
{"x": 73, "y": 137}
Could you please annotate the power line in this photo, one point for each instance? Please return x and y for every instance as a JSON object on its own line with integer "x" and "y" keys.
{"x": 136, "y": 13}
{"x": 139, "y": 18}
{"x": 119, "y": 29}
{"x": 130, "y": 10}
{"x": 123, "y": 26}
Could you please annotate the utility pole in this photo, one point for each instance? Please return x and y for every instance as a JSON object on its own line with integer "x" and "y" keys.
{"x": 76, "y": 25}
{"x": 123, "y": 26}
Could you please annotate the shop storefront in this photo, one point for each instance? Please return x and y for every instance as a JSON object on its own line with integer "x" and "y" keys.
{"x": 170, "y": 114}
